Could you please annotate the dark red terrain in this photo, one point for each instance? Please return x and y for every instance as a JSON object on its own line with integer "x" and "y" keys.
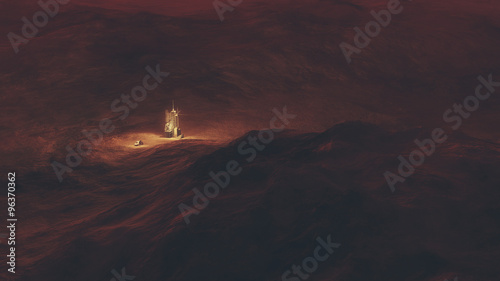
{"x": 323, "y": 175}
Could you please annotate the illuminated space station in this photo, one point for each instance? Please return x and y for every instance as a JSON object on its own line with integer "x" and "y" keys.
{"x": 172, "y": 124}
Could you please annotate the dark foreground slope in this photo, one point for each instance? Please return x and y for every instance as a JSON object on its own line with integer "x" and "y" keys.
{"x": 444, "y": 221}
{"x": 120, "y": 207}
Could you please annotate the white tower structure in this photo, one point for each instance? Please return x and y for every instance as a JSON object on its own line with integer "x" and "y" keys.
{"x": 172, "y": 124}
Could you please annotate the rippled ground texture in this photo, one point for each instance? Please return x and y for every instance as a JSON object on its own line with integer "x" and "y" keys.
{"x": 323, "y": 175}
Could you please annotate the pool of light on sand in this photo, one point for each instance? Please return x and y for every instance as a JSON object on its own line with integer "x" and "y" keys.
{"x": 148, "y": 139}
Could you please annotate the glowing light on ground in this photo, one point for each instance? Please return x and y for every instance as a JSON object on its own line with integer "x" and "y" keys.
{"x": 149, "y": 140}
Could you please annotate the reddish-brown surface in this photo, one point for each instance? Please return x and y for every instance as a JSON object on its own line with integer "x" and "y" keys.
{"x": 119, "y": 207}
